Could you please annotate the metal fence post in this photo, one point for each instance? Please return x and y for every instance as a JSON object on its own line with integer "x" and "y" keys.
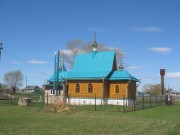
{"x": 156, "y": 100}
{"x": 150, "y": 100}
{"x": 14, "y": 99}
{"x": 134, "y": 104}
{"x": 123, "y": 104}
{"x": 143, "y": 101}
{"x": 161, "y": 101}
{"x": 95, "y": 102}
{"x": 47, "y": 99}
{"x": 11, "y": 98}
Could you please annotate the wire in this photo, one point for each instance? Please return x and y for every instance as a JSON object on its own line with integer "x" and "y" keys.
{"x": 26, "y": 63}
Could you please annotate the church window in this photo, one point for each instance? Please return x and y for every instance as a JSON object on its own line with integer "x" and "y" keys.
{"x": 90, "y": 88}
{"x": 77, "y": 87}
{"x": 117, "y": 88}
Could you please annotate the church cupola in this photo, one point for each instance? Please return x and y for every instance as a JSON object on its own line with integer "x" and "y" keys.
{"x": 94, "y": 44}
{"x": 121, "y": 65}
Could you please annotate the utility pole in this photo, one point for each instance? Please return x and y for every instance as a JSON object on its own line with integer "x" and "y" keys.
{"x": 54, "y": 83}
{"x": 57, "y": 74}
{"x": 1, "y": 47}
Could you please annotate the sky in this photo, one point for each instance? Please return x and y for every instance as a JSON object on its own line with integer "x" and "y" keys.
{"x": 147, "y": 32}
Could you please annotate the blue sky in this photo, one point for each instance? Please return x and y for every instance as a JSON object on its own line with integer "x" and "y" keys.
{"x": 147, "y": 31}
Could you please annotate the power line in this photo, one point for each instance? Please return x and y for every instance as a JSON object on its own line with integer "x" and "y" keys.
{"x": 25, "y": 63}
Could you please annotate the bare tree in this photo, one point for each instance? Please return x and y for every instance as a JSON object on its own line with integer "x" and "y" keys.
{"x": 153, "y": 89}
{"x": 77, "y": 46}
{"x": 73, "y": 47}
{"x": 4, "y": 88}
{"x": 13, "y": 79}
{"x": 119, "y": 55}
{"x": 88, "y": 47}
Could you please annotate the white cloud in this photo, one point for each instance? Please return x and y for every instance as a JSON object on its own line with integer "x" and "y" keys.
{"x": 173, "y": 74}
{"x": 148, "y": 29}
{"x": 161, "y": 49}
{"x": 34, "y": 61}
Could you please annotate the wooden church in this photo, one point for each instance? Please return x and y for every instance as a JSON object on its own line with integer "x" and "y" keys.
{"x": 94, "y": 74}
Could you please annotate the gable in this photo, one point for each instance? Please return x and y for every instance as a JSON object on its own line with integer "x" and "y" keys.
{"x": 94, "y": 61}
{"x": 93, "y": 65}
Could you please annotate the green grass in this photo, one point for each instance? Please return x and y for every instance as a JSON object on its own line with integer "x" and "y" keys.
{"x": 32, "y": 120}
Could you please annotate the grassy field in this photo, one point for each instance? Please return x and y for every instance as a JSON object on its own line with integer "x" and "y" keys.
{"x": 33, "y": 120}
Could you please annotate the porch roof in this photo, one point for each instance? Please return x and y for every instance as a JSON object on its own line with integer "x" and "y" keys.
{"x": 122, "y": 75}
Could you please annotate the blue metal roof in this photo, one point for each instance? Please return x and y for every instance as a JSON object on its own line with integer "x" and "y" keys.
{"x": 94, "y": 61}
{"x": 88, "y": 75}
{"x": 92, "y": 65}
{"x": 122, "y": 75}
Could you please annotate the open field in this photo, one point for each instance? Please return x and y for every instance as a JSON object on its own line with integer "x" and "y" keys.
{"x": 32, "y": 120}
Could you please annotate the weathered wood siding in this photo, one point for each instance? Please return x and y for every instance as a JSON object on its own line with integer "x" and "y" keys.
{"x": 97, "y": 88}
{"x": 106, "y": 89}
{"x": 132, "y": 89}
{"x": 122, "y": 89}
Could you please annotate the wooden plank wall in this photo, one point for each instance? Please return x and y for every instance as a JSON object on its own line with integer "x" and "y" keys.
{"x": 125, "y": 90}
{"x": 122, "y": 89}
{"x": 97, "y": 89}
{"x": 132, "y": 89}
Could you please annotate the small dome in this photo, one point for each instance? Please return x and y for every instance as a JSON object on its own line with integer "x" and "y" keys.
{"x": 94, "y": 44}
{"x": 121, "y": 67}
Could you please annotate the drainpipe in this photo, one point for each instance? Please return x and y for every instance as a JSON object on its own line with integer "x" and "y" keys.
{"x": 65, "y": 89}
{"x": 102, "y": 91}
{"x": 57, "y": 74}
{"x": 55, "y": 66}
{"x": 127, "y": 88}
